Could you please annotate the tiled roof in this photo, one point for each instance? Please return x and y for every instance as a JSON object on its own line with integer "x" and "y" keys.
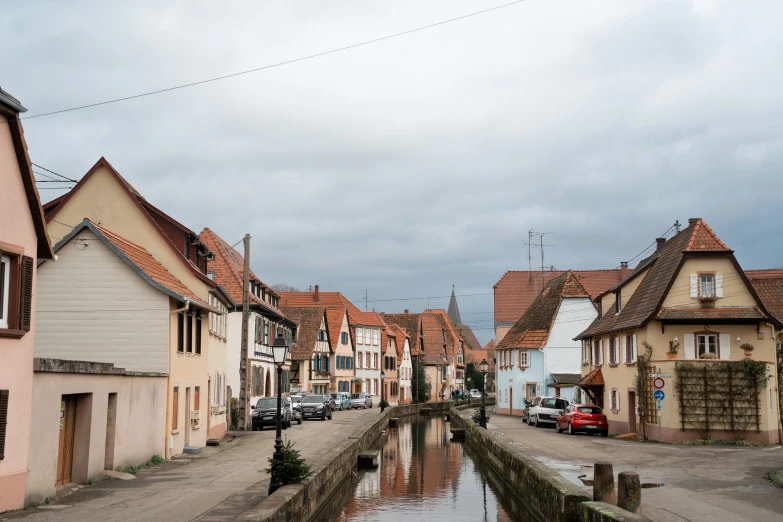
{"x": 716, "y": 313}
{"x": 308, "y": 320}
{"x": 663, "y": 265}
{"x": 399, "y": 335}
{"x": 334, "y": 325}
{"x": 139, "y": 259}
{"x": 329, "y": 299}
{"x": 533, "y": 328}
{"x": 409, "y": 323}
{"x": 516, "y": 289}
{"x": 594, "y": 378}
{"x": 454, "y": 308}
{"x": 566, "y": 378}
{"x": 433, "y": 334}
{"x": 769, "y": 287}
{"x": 471, "y": 342}
{"x": 452, "y": 335}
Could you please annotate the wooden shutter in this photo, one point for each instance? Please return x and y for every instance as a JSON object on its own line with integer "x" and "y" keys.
{"x": 600, "y": 351}
{"x": 694, "y": 285}
{"x": 634, "y": 348}
{"x": 175, "y": 408}
{"x": 197, "y": 398}
{"x": 724, "y": 347}
{"x": 26, "y": 298}
{"x": 690, "y": 346}
{"x": 198, "y": 334}
{"x": 718, "y": 285}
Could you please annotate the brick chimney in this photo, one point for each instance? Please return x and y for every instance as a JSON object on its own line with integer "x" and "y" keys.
{"x": 407, "y": 312}
{"x": 316, "y": 295}
{"x": 692, "y": 221}
{"x": 660, "y": 241}
{"x": 624, "y": 270}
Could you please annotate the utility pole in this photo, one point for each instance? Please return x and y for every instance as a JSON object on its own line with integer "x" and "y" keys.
{"x": 529, "y": 256}
{"x": 677, "y": 226}
{"x": 365, "y": 299}
{"x": 242, "y": 421}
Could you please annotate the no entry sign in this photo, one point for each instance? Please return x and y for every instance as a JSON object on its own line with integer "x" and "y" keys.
{"x": 658, "y": 383}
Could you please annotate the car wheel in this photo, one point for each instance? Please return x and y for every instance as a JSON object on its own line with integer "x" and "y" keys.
{"x": 604, "y": 433}
{"x": 260, "y": 428}
{"x": 570, "y": 429}
{"x": 299, "y": 421}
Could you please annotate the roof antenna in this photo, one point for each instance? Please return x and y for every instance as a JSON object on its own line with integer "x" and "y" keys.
{"x": 677, "y": 226}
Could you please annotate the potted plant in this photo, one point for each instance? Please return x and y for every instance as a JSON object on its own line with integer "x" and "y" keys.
{"x": 747, "y": 348}
{"x": 708, "y": 355}
{"x": 707, "y": 301}
{"x": 674, "y": 346}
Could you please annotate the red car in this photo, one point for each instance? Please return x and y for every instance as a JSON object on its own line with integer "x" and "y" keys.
{"x": 582, "y": 417}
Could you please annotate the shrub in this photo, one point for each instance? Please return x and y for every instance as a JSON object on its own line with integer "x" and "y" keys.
{"x": 292, "y": 468}
{"x": 477, "y": 416}
{"x": 384, "y": 403}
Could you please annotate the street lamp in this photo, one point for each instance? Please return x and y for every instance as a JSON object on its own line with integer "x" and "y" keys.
{"x": 383, "y": 390}
{"x": 469, "y": 388}
{"x": 483, "y": 416}
{"x": 279, "y": 354}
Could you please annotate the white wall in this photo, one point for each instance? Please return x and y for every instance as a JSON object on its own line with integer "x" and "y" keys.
{"x": 562, "y": 354}
{"x": 92, "y": 306}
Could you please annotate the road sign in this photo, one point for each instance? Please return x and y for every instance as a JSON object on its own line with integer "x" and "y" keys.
{"x": 664, "y": 375}
{"x": 657, "y": 405}
{"x": 658, "y": 395}
{"x": 658, "y": 383}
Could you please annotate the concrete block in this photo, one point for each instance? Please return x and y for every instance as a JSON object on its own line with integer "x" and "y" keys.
{"x": 457, "y": 434}
{"x": 369, "y": 458}
{"x": 118, "y": 475}
{"x": 191, "y": 450}
{"x": 425, "y": 411}
{"x": 393, "y": 421}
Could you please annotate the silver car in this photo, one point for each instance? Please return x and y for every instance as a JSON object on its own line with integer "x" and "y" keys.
{"x": 546, "y": 410}
{"x": 361, "y": 400}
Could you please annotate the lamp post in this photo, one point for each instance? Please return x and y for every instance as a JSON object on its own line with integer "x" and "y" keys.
{"x": 279, "y": 354}
{"x": 469, "y": 388}
{"x": 483, "y": 416}
{"x": 383, "y": 390}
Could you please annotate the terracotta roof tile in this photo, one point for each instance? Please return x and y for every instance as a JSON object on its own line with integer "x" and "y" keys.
{"x": 769, "y": 287}
{"x": 410, "y": 323}
{"x": 594, "y": 378}
{"x": 718, "y": 313}
{"x": 330, "y": 299}
{"x": 308, "y": 320}
{"x": 768, "y": 273}
{"x": 703, "y": 239}
{"x": 334, "y": 325}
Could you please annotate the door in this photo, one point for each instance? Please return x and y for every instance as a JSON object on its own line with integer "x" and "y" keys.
{"x": 510, "y": 400}
{"x": 187, "y": 416}
{"x": 632, "y": 411}
{"x": 67, "y": 431}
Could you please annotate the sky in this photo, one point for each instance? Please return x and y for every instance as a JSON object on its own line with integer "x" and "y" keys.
{"x": 419, "y": 162}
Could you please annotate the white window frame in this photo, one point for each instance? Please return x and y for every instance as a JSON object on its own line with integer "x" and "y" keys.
{"x": 524, "y": 358}
{"x": 711, "y": 286}
{"x": 613, "y": 359}
{"x": 376, "y": 338}
{"x": 706, "y": 338}
{"x": 359, "y": 335}
{"x": 4, "y": 285}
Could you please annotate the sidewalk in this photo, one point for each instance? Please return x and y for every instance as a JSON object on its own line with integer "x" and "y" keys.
{"x": 217, "y": 485}
{"x": 700, "y": 483}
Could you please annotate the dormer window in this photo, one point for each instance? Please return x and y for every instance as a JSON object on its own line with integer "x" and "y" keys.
{"x": 322, "y": 335}
{"x": 707, "y": 285}
{"x": 619, "y": 302}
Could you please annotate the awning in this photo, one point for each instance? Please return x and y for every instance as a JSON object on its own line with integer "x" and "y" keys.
{"x": 593, "y": 379}
{"x": 565, "y": 380}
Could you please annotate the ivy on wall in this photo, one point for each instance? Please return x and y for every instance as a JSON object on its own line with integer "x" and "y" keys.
{"x": 644, "y": 391}
{"x": 721, "y": 395}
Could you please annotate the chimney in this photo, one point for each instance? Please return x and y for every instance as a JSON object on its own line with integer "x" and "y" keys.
{"x": 407, "y": 312}
{"x": 692, "y": 221}
{"x": 624, "y": 270}
{"x": 660, "y": 241}
{"x": 316, "y": 295}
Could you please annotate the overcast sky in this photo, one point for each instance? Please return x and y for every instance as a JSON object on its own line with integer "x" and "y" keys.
{"x": 419, "y": 162}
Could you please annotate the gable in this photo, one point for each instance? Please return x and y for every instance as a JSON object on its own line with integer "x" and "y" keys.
{"x": 735, "y": 291}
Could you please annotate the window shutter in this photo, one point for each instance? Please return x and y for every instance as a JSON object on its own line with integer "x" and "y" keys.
{"x": 634, "y": 348}
{"x": 26, "y": 301}
{"x": 719, "y": 285}
{"x": 694, "y": 285}
{"x": 724, "y": 347}
{"x": 690, "y": 348}
{"x": 617, "y": 400}
{"x": 600, "y": 351}
{"x": 174, "y": 408}
{"x": 538, "y": 390}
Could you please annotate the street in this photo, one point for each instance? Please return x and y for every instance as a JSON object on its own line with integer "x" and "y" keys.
{"x": 699, "y": 482}
{"x": 217, "y": 485}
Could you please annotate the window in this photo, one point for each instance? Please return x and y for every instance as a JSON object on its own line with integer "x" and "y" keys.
{"x": 180, "y": 332}
{"x": 266, "y": 332}
{"x": 613, "y": 350}
{"x": 707, "y": 285}
{"x": 530, "y": 390}
{"x": 614, "y": 400}
{"x": 359, "y": 360}
{"x": 630, "y": 349}
{"x": 197, "y": 398}
{"x": 597, "y": 357}
{"x": 189, "y": 335}
{"x": 367, "y": 360}
{"x": 524, "y": 358}
{"x": 706, "y": 344}
{"x": 618, "y": 305}
{"x": 175, "y": 408}
{"x": 198, "y": 334}
{"x": 360, "y": 335}
{"x": 321, "y": 335}
{"x": 344, "y": 338}
{"x": 16, "y": 292}
{"x": 376, "y": 337}
{"x": 5, "y": 276}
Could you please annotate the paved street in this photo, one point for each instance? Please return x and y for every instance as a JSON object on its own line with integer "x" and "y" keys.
{"x": 700, "y": 482}
{"x": 215, "y": 486}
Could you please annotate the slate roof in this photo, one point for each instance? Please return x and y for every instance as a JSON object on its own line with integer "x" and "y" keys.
{"x": 409, "y": 323}
{"x": 663, "y": 266}
{"x": 769, "y": 287}
{"x": 566, "y": 378}
{"x": 138, "y": 258}
{"x": 594, "y": 378}
{"x": 752, "y": 313}
{"x": 533, "y": 328}
{"x": 454, "y": 308}
{"x": 308, "y": 320}
{"x": 518, "y": 288}
{"x": 334, "y": 325}
{"x": 471, "y": 341}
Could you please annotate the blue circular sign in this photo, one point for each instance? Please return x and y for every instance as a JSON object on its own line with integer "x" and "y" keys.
{"x": 658, "y": 395}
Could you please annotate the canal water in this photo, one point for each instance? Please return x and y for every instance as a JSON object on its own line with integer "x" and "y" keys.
{"x": 423, "y": 476}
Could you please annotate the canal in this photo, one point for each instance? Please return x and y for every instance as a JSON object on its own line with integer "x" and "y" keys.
{"x": 422, "y": 475}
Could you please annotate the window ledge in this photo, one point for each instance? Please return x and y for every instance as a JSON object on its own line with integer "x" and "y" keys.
{"x": 175, "y": 432}
{"x": 7, "y": 333}
{"x": 614, "y": 365}
{"x": 615, "y": 412}
{"x": 630, "y": 364}
{"x": 523, "y": 368}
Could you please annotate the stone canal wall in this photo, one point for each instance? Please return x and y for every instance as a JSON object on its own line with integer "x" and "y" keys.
{"x": 301, "y": 501}
{"x": 548, "y": 495}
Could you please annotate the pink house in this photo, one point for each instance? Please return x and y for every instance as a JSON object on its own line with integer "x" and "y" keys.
{"x": 23, "y": 241}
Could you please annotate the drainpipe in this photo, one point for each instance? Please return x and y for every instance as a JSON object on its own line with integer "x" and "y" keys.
{"x": 167, "y": 427}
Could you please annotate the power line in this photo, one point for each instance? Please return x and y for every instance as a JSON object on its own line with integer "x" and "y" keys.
{"x": 53, "y": 172}
{"x": 278, "y": 64}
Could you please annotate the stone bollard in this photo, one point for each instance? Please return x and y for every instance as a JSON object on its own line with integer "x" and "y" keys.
{"x": 603, "y": 483}
{"x": 629, "y": 492}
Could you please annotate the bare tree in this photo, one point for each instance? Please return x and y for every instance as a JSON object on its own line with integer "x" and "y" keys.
{"x": 283, "y": 287}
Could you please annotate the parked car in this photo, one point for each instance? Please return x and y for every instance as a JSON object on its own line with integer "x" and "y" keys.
{"x": 265, "y": 414}
{"x": 361, "y": 400}
{"x": 475, "y": 394}
{"x": 342, "y": 401}
{"x": 526, "y": 410}
{"x": 546, "y": 410}
{"x": 586, "y": 418}
{"x": 296, "y": 410}
{"x": 316, "y": 407}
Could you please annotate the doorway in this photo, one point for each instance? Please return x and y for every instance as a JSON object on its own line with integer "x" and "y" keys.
{"x": 510, "y": 400}
{"x": 187, "y": 416}
{"x": 67, "y": 433}
{"x": 111, "y": 427}
{"x": 632, "y": 411}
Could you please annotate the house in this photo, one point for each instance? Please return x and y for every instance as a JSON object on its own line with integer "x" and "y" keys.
{"x": 365, "y": 327}
{"x": 689, "y": 314}
{"x": 436, "y": 354}
{"x": 516, "y": 289}
{"x": 769, "y": 286}
{"x": 217, "y": 364}
{"x": 538, "y": 355}
{"x": 341, "y": 343}
{"x": 226, "y": 268}
{"x": 106, "y": 198}
{"x": 24, "y": 242}
{"x": 310, "y": 352}
{"x": 389, "y": 377}
{"x": 404, "y": 365}
{"x": 455, "y": 352}
{"x": 111, "y": 326}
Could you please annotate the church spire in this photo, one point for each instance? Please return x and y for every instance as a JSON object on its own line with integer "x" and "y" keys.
{"x": 454, "y": 309}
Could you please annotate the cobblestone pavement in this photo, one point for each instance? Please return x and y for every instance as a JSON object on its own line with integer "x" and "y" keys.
{"x": 217, "y": 485}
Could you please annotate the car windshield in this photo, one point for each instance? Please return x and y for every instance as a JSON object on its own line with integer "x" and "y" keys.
{"x": 589, "y": 409}
{"x": 296, "y": 400}
{"x": 336, "y": 396}
{"x": 266, "y": 403}
{"x": 313, "y": 399}
{"x": 559, "y": 404}
{"x": 357, "y": 396}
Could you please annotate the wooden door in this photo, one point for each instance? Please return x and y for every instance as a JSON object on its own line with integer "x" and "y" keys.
{"x": 67, "y": 430}
{"x": 632, "y": 411}
{"x": 510, "y": 400}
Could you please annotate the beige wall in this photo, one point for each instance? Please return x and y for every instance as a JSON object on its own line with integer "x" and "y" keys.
{"x": 217, "y": 401}
{"x": 343, "y": 350}
{"x": 500, "y": 332}
{"x": 735, "y": 293}
{"x": 92, "y": 306}
{"x": 16, "y": 228}
{"x": 139, "y": 419}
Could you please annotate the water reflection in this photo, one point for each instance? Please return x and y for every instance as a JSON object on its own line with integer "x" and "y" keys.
{"x": 422, "y": 476}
